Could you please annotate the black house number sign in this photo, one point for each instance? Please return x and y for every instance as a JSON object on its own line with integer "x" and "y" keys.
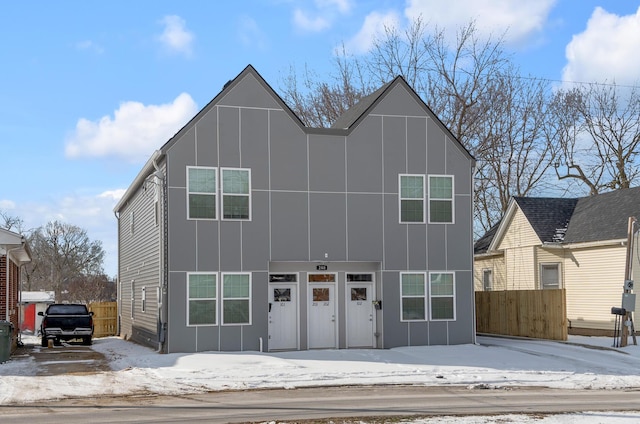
{"x": 321, "y": 267}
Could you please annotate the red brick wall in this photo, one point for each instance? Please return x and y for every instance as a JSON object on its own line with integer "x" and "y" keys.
{"x": 12, "y": 274}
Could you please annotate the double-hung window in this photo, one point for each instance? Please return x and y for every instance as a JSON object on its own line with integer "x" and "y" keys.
{"x": 201, "y": 294}
{"x": 236, "y": 193}
{"x": 413, "y": 294}
{"x": 442, "y": 294}
{"x": 487, "y": 279}
{"x": 236, "y": 298}
{"x": 550, "y": 276}
{"x": 441, "y": 208}
{"x": 411, "y": 189}
{"x": 202, "y": 192}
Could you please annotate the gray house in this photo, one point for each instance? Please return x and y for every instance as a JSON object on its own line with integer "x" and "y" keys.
{"x": 250, "y": 231}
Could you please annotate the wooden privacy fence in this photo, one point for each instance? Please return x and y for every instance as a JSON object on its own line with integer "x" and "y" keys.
{"x": 105, "y": 318}
{"x": 526, "y": 313}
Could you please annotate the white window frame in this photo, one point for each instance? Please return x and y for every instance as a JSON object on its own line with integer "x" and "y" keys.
{"x": 487, "y": 272}
{"x": 133, "y": 298}
{"x": 215, "y": 299}
{"x": 223, "y": 299}
{"x": 215, "y": 194}
{"x": 558, "y": 267}
{"x": 400, "y": 198}
{"x": 223, "y": 194}
{"x": 143, "y": 300}
{"x": 439, "y": 296}
{"x": 423, "y": 296}
{"x": 452, "y": 199}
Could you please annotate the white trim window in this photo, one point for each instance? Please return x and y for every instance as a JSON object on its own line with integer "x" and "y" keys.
{"x": 236, "y": 193}
{"x": 441, "y": 207}
{"x": 143, "y": 300}
{"x": 442, "y": 294}
{"x": 201, "y": 298}
{"x": 487, "y": 279}
{"x": 550, "y": 276}
{"x": 413, "y": 292}
{"x": 411, "y": 196}
{"x": 236, "y": 298}
{"x": 201, "y": 192}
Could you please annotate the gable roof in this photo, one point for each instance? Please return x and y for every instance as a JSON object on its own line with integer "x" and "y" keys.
{"x": 15, "y": 245}
{"x": 548, "y": 216}
{"x": 604, "y": 216}
{"x": 344, "y": 125}
{"x": 575, "y": 220}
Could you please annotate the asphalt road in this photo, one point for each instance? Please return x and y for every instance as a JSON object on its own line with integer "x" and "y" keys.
{"x": 317, "y": 404}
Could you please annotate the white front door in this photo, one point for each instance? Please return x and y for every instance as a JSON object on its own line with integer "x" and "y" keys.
{"x": 283, "y": 316}
{"x": 322, "y": 317}
{"x": 360, "y": 315}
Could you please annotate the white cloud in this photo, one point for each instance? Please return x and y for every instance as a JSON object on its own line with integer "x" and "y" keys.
{"x": 607, "y": 50}
{"x": 343, "y": 6}
{"x": 303, "y": 21}
{"x": 520, "y": 18}
{"x": 88, "y": 45}
{"x": 373, "y": 28}
{"x": 250, "y": 34}
{"x": 175, "y": 37}
{"x": 323, "y": 16}
{"x": 7, "y": 204}
{"x": 133, "y": 133}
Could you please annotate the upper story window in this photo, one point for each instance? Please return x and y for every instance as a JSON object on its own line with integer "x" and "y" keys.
{"x": 441, "y": 208}
{"x": 411, "y": 191}
{"x": 236, "y": 193}
{"x": 202, "y": 191}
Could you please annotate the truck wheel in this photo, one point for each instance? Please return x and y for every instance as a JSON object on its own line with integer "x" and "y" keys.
{"x": 44, "y": 342}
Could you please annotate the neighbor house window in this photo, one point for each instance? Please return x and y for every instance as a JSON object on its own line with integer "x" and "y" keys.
{"x": 442, "y": 295}
{"x": 411, "y": 191}
{"x": 413, "y": 295}
{"x": 201, "y": 294}
{"x": 236, "y": 298}
{"x": 202, "y": 190}
{"x": 487, "y": 279}
{"x": 440, "y": 199}
{"x": 550, "y": 276}
{"x": 236, "y": 193}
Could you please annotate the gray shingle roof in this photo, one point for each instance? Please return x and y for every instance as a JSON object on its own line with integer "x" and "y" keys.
{"x": 559, "y": 220}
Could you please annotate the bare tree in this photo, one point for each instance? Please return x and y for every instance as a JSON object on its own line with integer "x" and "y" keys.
{"x": 11, "y": 223}
{"x": 319, "y": 103}
{"x": 600, "y": 124}
{"x": 90, "y": 289}
{"x": 62, "y": 252}
{"x": 472, "y": 85}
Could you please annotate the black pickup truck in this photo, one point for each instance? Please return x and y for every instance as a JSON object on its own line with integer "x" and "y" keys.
{"x": 66, "y": 321}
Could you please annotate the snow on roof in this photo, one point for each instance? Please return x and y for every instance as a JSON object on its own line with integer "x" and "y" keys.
{"x": 38, "y": 296}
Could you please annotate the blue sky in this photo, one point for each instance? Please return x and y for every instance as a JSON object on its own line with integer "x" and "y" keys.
{"x": 88, "y": 90}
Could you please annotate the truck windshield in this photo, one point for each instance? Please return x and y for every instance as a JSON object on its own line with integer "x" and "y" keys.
{"x": 67, "y": 310}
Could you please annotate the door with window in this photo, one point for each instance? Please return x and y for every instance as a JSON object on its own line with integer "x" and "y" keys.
{"x": 322, "y": 316}
{"x": 283, "y": 312}
{"x": 360, "y": 313}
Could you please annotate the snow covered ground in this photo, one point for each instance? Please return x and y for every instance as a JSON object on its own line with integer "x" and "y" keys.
{"x": 584, "y": 362}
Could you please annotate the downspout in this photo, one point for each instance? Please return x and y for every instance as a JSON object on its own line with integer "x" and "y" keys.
{"x": 163, "y": 249}
{"x": 118, "y": 291}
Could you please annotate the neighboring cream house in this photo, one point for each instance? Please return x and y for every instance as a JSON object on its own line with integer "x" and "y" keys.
{"x": 576, "y": 244}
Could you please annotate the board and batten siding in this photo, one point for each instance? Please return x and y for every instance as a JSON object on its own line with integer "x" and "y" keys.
{"x": 594, "y": 280}
{"x": 139, "y": 226}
